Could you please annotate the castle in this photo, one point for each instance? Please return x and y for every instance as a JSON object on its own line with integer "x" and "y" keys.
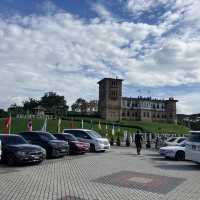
{"x": 112, "y": 106}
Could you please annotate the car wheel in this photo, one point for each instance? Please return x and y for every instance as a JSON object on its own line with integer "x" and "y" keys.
{"x": 92, "y": 148}
{"x": 180, "y": 155}
{"x": 10, "y": 160}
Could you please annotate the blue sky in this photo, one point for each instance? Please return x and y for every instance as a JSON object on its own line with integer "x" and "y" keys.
{"x": 66, "y": 46}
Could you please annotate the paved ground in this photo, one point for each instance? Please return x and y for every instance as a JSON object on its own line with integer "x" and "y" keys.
{"x": 117, "y": 175}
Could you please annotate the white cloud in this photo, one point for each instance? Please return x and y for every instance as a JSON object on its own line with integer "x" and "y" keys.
{"x": 102, "y": 12}
{"x": 65, "y": 54}
{"x": 188, "y": 103}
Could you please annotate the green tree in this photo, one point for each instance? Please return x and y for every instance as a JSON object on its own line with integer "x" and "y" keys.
{"x": 3, "y": 113}
{"x": 79, "y": 105}
{"x": 54, "y": 104}
{"x": 30, "y": 104}
{"x": 14, "y": 109}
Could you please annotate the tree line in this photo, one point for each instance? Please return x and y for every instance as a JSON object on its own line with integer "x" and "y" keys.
{"x": 52, "y": 104}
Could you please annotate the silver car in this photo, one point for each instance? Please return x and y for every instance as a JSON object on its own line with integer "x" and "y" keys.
{"x": 97, "y": 143}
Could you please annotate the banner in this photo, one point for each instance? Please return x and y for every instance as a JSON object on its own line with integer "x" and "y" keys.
{"x": 7, "y": 124}
{"x": 29, "y": 125}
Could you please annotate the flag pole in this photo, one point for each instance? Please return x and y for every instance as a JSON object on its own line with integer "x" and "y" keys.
{"x": 9, "y": 130}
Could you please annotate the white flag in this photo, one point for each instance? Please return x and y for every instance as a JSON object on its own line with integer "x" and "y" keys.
{"x": 82, "y": 123}
{"x": 44, "y": 127}
{"x": 113, "y": 130}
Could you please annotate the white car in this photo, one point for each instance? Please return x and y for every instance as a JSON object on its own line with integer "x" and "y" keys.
{"x": 174, "y": 152}
{"x": 97, "y": 143}
{"x": 174, "y": 141}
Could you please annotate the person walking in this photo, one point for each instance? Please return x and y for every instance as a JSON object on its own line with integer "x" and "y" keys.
{"x": 138, "y": 142}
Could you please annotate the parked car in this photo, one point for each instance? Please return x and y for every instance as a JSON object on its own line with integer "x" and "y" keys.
{"x": 174, "y": 141}
{"x": 97, "y": 143}
{"x": 0, "y": 150}
{"x": 176, "y": 152}
{"x": 15, "y": 149}
{"x": 75, "y": 146}
{"x": 53, "y": 146}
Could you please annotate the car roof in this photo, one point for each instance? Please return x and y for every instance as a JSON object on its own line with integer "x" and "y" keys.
{"x": 33, "y": 132}
{"x": 9, "y": 135}
{"x": 194, "y": 131}
{"x": 77, "y": 129}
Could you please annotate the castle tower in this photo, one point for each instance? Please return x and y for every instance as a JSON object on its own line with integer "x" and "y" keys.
{"x": 171, "y": 110}
{"x": 110, "y": 99}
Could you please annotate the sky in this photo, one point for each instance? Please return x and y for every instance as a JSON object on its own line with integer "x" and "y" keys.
{"x": 67, "y": 46}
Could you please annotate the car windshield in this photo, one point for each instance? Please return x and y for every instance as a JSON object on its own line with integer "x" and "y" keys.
{"x": 194, "y": 137}
{"x": 13, "y": 140}
{"x": 70, "y": 137}
{"x": 47, "y": 136}
{"x": 94, "y": 134}
{"x": 171, "y": 139}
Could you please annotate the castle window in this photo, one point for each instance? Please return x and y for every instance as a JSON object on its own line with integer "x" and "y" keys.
{"x": 158, "y": 116}
{"x": 154, "y": 106}
{"x": 128, "y": 114}
{"x": 148, "y": 114}
{"x": 144, "y": 114}
{"x": 158, "y": 106}
{"x": 123, "y": 114}
{"x": 154, "y": 115}
{"x": 133, "y": 115}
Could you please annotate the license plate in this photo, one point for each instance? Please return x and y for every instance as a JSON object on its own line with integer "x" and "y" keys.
{"x": 63, "y": 150}
{"x": 35, "y": 157}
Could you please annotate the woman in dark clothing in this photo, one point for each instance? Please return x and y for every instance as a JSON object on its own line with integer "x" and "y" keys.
{"x": 138, "y": 142}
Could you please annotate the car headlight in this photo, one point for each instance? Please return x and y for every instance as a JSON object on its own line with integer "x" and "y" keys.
{"x": 44, "y": 151}
{"x": 21, "y": 153}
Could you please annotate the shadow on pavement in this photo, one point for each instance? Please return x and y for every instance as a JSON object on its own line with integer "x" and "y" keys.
{"x": 153, "y": 154}
{"x": 181, "y": 166}
{"x": 161, "y": 159}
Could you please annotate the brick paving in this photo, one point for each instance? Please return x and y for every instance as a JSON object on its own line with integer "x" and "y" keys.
{"x": 117, "y": 175}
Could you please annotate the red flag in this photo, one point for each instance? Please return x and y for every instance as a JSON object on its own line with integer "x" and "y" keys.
{"x": 29, "y": 125}
{"x": 7, "y": 124}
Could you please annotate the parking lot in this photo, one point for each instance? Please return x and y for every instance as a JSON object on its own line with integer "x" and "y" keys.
{"x": 119, "y": 175}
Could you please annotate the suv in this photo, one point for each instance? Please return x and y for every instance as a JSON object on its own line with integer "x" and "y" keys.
{"x": 53, "y": 147}
{"x": 15, "y": 149}
{"x": 97, "y": 143}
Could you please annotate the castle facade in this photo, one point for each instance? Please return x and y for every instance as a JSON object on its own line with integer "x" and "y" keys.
{"x": 112, "y": 106}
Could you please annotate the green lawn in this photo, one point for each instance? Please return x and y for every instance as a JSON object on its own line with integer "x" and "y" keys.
{"x": 131, "y": 126}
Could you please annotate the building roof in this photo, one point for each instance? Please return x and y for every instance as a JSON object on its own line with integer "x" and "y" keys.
{"x": 139, "y": 98}
{"x": 104, "y": 79}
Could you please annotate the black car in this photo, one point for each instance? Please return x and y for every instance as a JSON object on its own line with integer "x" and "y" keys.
{"x": 53, "y": 147}
{"x": 75, "y": 146}
{"x": 15, "y": 149}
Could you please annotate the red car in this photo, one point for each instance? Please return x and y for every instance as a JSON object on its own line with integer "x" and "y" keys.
{"x": 75, "y": 146}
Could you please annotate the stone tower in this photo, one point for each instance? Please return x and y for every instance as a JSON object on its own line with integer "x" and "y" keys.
{"x": 110, "y": 99}
{"x": 171, "y": 110}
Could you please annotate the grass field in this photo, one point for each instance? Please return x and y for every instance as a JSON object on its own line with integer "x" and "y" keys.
{"x": 130, "y": 126}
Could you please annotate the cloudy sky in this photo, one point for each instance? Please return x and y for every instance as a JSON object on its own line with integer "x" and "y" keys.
{"x": 67, "y": 46}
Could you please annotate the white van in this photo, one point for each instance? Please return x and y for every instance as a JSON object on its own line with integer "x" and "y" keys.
{"x": 97, "y": 143}
{"x": 192, "y": 150}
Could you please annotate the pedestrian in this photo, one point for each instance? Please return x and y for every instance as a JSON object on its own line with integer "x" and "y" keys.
{"x": 157, "y": 142}
{"x": 138, "y": 142}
